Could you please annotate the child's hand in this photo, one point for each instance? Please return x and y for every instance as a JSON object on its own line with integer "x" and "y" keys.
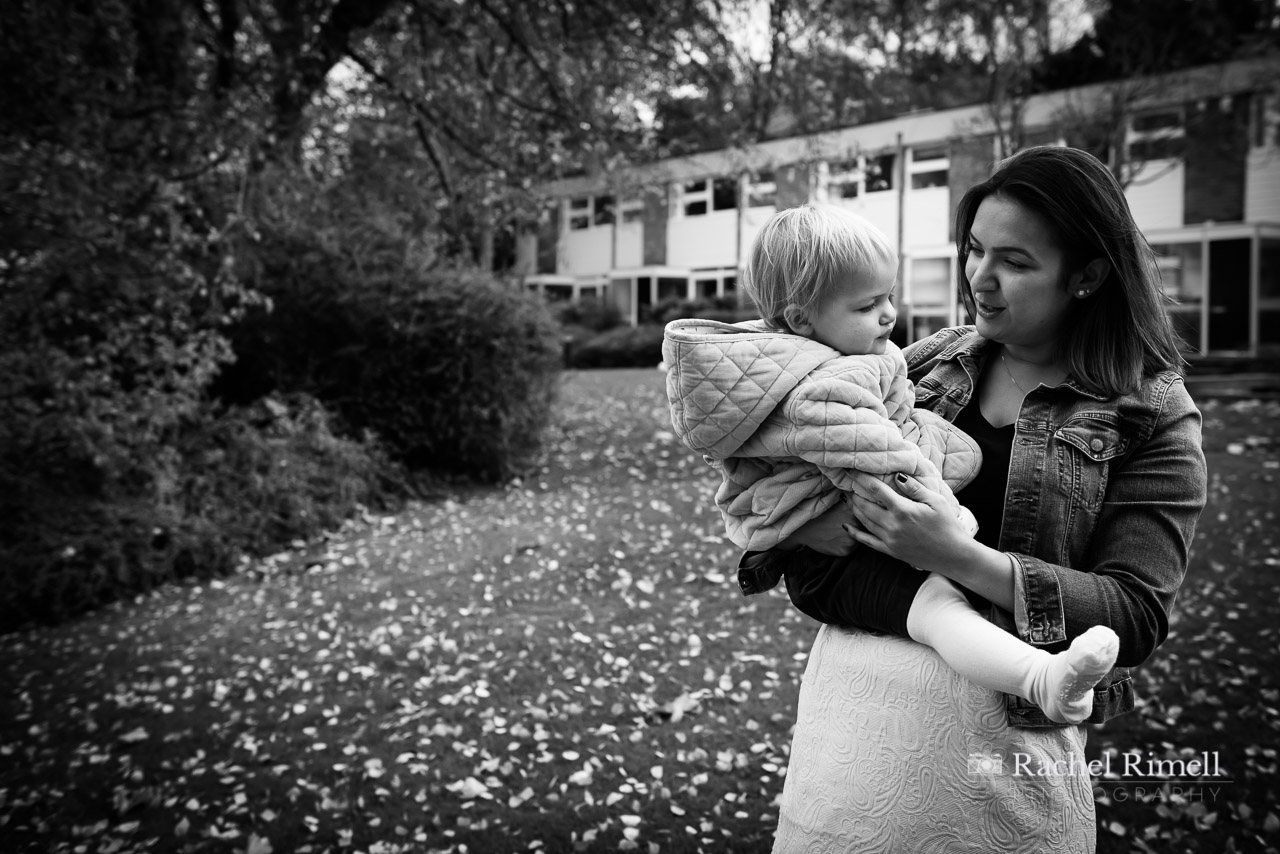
{"x": 826, "y": 533}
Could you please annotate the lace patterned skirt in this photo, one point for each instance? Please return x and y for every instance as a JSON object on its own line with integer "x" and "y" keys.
{"x": 895, "y": 752}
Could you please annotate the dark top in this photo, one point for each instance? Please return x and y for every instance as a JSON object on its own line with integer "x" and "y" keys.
{"x": 984, "y": 495}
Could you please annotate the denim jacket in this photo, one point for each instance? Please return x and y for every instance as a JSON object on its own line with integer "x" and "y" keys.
{"x": 1100, "y": 512}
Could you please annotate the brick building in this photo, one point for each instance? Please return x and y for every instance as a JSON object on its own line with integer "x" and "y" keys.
{"x": 1202, "y": 174}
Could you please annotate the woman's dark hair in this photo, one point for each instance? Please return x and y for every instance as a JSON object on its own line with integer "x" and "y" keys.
{"x": 1122, "y": 331}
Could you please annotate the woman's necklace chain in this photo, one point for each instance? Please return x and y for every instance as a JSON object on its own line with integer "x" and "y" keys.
{"x": 1012, "y": 379}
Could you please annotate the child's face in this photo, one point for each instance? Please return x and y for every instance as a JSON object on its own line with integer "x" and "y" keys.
{"x": 857, "y": 317}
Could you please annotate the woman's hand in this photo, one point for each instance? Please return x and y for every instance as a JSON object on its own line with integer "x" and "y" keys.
{"x": 827, "y": 533}
{"x": 908, "y": 521}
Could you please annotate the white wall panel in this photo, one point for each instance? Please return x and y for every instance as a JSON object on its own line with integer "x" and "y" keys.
{"x": 703, "y": 241}
{"x": 587, "y": 252}
{"x": 630, "y": 246}
{"x": 925, "y": 222}
{"x": 753, "y": 219}
{"x": 880, "y": 208}
{"x": 1156, "y": 195}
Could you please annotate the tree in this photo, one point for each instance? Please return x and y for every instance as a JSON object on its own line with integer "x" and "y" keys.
{"x": 1133, "y": 41}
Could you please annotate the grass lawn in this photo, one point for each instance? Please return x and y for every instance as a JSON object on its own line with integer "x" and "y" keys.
{"x": 560, "y": 665}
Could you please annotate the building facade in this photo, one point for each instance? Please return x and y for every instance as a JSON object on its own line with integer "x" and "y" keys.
{"x": 1201, "y": 150}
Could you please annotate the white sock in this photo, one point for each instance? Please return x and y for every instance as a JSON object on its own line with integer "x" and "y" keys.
{"x": 1060, "y": 684}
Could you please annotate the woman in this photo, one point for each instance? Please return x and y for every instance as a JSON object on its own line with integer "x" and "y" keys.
{"x": 1092, "y": 482}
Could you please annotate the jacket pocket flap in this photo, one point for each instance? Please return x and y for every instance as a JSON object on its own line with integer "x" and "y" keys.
{"x": 1098, "y": 439}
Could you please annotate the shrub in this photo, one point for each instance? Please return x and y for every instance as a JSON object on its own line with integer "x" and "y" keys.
{"x": 454, "y": 371}
{"x": 248, "y": 480}
{"x": 588, "y": 313}
{"x": 725, "y": 309}
{"x": 116, "y": 472}
{"x": 623, "y": 347}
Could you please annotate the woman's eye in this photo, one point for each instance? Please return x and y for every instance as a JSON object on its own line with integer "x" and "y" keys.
{"x": 975, "y": 250}
{"x": 1016, "y": 265}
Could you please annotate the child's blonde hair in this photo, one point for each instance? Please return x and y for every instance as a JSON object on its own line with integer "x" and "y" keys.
{"x": 802, "y": 252}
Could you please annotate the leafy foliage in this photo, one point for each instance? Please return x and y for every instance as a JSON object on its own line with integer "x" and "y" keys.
{"x": 621, "y": 347}
{"x": 121, "y": 176}
{"x": 453, "y": 370}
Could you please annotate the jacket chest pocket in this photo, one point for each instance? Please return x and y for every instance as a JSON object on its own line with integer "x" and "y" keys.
{"x": 1086, "y": 446}
{"x": 931, "y": 396}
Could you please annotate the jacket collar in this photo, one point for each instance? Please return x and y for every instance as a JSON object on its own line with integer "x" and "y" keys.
{"x": 971, "y": 348}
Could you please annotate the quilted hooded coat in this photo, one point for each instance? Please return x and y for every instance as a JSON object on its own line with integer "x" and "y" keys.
{"x": 793, "y": 425}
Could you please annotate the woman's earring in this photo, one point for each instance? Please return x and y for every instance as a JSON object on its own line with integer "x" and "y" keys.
{"x": 1082, "y": 293}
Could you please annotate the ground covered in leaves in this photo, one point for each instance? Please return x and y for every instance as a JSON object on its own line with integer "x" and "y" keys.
{"x": 565, "y": 665}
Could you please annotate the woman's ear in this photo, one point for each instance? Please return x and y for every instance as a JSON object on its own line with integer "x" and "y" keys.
{"x": 797, "y": 319}
{"x": 1090, "y": 278}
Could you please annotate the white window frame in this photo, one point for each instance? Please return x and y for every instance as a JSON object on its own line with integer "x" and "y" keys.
{"x": 761, "y": 190}
{"x": 586, "y": 209}
{"x": 928, "y": 164}
{"x": 707, "y": 194}
{"x": 853, "y": 172}
{"x": 630, "y": 210}
{"x": 1134, "y": 137}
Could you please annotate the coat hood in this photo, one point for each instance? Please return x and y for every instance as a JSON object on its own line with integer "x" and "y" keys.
{"x": 724, "y": 379}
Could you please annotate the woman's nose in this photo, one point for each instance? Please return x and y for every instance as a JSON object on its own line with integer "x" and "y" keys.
{"x": 980, "y": 275}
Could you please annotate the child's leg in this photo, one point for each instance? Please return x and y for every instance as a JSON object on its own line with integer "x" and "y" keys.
{"x": 1061, "y": 684}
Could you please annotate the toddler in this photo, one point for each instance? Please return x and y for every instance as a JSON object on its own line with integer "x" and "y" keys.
{"x": 795, "y": 409}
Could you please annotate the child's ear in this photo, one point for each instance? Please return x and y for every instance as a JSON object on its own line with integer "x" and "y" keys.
{"x": 797, "y": 319}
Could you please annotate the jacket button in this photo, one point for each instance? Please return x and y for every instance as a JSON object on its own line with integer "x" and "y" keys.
{"x": 1096, "y": 445}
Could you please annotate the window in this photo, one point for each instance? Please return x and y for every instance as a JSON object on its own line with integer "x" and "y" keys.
{"x": 851, "y": 178}
{"x": 589, "y": 211}
{"x": 1264, "y": 117}
{"x": 631, "y": 210}
{"x": 603, "y": 206}
{"x": 579, "y": 213}
{"x": 844, "y": 180}
{"x": 1155, "y": 136}
{"x": 1269, "y": 292}
{"x": 879, "y": 173}
{"x": 1182, "y": 275}
{"x": 694, "y": 198}
{"x": 703, "y": 196}
{"x": 929, "y": 168}
{"x": 725, "y": 194}
{"x": 762, "y": 191}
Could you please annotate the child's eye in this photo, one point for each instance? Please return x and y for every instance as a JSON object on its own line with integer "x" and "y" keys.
{"x": 866, "y": 309}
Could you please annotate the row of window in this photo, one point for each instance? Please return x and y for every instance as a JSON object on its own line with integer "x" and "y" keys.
{"x": 849, "y": 179}
{"x": 1152, "y": 136}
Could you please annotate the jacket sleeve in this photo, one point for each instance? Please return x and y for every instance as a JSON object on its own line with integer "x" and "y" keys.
{"x": 843, "y": 428}
{"x": 763, "y": 501}
{"x": 1139, "y": 547}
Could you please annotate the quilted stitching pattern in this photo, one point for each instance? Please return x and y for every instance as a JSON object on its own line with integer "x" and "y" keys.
{"x": 791, "y": 423}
